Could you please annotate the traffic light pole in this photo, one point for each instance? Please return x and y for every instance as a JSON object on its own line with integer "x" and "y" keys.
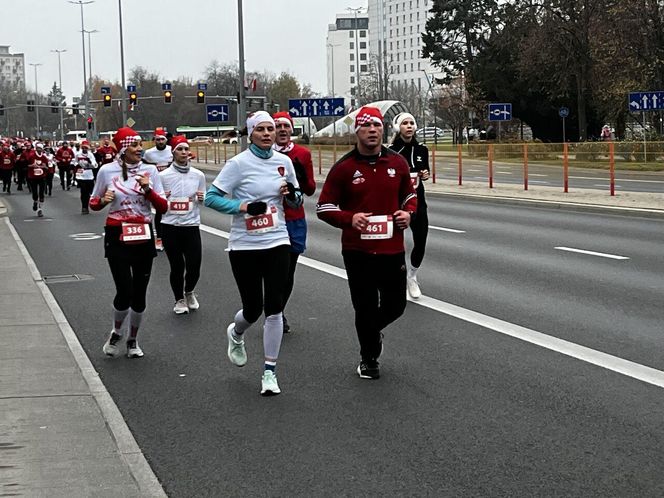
{"x": 122, "y": 68}
{"x": 241, "y": 103}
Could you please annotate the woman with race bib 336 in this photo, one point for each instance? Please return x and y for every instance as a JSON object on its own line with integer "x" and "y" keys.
{"x": 130, "y": 189}
{"x": 252, "y": 187}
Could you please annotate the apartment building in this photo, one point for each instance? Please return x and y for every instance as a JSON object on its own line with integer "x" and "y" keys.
{"x": 12, "y": 69}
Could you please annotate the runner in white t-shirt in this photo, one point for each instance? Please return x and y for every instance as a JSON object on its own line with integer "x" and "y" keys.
{"x": 252, "y": 187}
{"x": 184, "y": 187}
{"x": 161, "y": 156}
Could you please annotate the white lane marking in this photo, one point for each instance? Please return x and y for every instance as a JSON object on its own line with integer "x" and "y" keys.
{"x": 504, "y": 172}
{"x": 591, "y": 253}
{"x": 606, "y": 185}
{"x": 539, "y": 181}
{"x": 536, "y": 174}
{"x": 451, "y": 230}
{"x": 619, "y": 365}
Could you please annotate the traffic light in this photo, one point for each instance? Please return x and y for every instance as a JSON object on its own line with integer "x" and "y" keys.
{"x": 133, "y": 98}
{"x": 74, "y": 109}
{"x": 168, "y": 96}
{"x": 200, "y": 97}
{"x": 54, "y": 107}
{"x": 31, "y": 106}
{"x": 107, "y": 100}
{"x": 2, "y": 110}
{"x": 89, "y": 122}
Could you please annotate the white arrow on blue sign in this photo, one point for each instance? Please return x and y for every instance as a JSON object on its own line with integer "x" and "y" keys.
{"x": 646, "y": 101}
{"x": 105, "y": 90}
{"x": 302, "y": 108}
{"x": 131, "y": 88}
{"x": 216, "y": 112}
{"x": 500, "y": 112}
{"x": 166, "y": 86}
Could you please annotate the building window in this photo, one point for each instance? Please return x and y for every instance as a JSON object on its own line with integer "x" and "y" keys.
{"x": 352, "y": 80}
{"x": 352, "y": 56}
{"x": 397, "y": 43}
{"x": 352, "y": 68}
{"x": 363, "y": 34}
{"x": 390, "y": 46}
{"x": 363, "y": 45}
{"x": 351, "y": 45}
{"x": 412, "y": 67}
{"x": 404, "y": 68}
{"x": 363, "y": 56}
{"x": 351, "y": 34}
{"x": 363, "y": 68}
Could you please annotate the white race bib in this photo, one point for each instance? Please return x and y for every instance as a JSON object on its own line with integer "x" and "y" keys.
{"x": 262, "y": 223}
{"x": 415, "y": 179}
{"x": 379, "y": 227}
{"x": 134, "y": 233}
{"x": 179, "y": 205}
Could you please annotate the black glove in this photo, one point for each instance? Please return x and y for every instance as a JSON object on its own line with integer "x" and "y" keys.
{"x": 291, "y": 191}
{"x": 256, "y": 208}
{"x": 300, "y": 174}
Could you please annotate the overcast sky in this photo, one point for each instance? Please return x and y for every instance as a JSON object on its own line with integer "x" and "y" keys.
{"x": 172, "y": 37}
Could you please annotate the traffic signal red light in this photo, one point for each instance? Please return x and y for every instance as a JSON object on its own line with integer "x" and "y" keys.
{"x": 107, "y": 100}
{"x": 89, "y": 122}
{"x": 200, "y": 97}
{"x": 168, "y": 96}
{"x": 31, "y": 106}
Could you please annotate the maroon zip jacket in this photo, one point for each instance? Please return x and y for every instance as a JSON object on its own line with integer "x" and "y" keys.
{"x": 304, "y": 170}
{"x": 354, "y": 185}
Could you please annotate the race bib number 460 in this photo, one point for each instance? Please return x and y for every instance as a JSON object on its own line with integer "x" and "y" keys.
{"x": 379, "y": 227}
{"x": 261, "y": 223}
{"x": 179, "y": 205}
{"x": 135, "y": 233}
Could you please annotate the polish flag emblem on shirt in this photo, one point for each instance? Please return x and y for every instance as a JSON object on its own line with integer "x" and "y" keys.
{"x": 281, "y": 170}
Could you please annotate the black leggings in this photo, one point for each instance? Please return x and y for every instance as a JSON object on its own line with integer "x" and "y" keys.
{"x": 420, "y": 227}
{"x": 291, "y": 276}
{"x": 157, "y": 225}
{"x": 6, "y": 179}
{"x": 86, "y": 191}
{"x": 37, "y": 188}
{"x": 65, "y": 175}
{"x": 131, "y": 279}
{"x": 183, "y": 249}
{"x": 377, "y": 285}
{"x": 257, "y": 270}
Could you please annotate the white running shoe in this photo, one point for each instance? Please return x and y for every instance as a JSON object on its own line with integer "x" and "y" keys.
{"x": 236, "y": 350}
{"x": 413, "y": 287}
{"x": 40, "y": 213}
{"x": 158, "y": 244}
{"x": 111, "y": 345}
{"x": 192, "y": 302}
{"x": 269, "y": 386}
{"x": 133, "y": 349}
{"x": 180, "y": 307}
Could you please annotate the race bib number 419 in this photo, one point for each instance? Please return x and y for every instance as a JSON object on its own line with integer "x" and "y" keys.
{"x": 379, "y": 227}
{"x": 179, "y": 205}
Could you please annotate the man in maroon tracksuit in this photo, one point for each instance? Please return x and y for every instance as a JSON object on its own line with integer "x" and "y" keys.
{"x": 63, "y": 157}
{"x": 295, "y": 220}
{"x": 369, "y": 195}
{"x": 7, "y": 162}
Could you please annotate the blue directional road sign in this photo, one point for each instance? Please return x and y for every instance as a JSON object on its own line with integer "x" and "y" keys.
{"x": 202, "y": 86}
{"x": 105, "y": 90}
{"x": 166, "y": 86}
{"x": 302, "y": 108}
{"x": 500, "y": 112}
{"x": 131, "y": 88}
{"x": 646, "y": 101}
{"x": 563, "y": 112}
{"x": 216, "y": 112}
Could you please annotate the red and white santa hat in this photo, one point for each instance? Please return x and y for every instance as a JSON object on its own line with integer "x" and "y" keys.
{"x": 159, "y": 132}
{"x": 367, "y": 115}
{"x": 178, "y": 140}
{"x": 85, "y": 143}
{"x": 283, "y": 117}
{"x": 123, "y": 138}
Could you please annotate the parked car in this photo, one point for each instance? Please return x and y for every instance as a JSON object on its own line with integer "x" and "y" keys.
{"x": 430, "y": 132}
{"x": 202, "y": 139}
{"x": 230, "y": 137}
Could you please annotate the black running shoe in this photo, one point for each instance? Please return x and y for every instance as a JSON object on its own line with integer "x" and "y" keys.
{"x": 368, "y": 369}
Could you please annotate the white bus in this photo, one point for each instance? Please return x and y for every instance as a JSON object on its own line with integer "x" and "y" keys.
{"x": 75, "y": 136}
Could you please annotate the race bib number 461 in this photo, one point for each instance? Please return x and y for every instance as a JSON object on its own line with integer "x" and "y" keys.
{"x": 379, "y": 227}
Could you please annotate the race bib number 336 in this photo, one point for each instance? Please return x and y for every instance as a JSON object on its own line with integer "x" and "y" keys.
{"x": 379, "y": 227}
{"x": 135, "y": 233}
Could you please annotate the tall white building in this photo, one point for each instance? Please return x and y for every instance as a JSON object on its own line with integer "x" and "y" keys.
{"x": 395, "y": 28}
{"x": 347, "y": 53}
{"x": 12, "y": 69}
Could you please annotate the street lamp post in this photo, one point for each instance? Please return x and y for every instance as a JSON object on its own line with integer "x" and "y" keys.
{"x": 241, "y": 105}
{"x": 122, "y": 68}
{"x": 35, "y": 65}
{"x": 60, "y": 104}
{"x": 81, "y": 3}
{"x": 90, "y": 55}
{"x": 334, "y": 120}
{"x": 435, "y": 109}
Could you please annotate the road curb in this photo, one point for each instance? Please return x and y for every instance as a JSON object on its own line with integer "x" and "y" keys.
{"x": 128, "y": 448}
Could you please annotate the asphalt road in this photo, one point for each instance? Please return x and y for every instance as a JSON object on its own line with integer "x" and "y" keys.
{"x": 461, "y": 409}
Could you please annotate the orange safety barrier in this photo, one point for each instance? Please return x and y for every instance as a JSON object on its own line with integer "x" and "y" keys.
{"x": 320, "y": 161}
{"x": 565, "y": 167}
{"x": 433, "y": 165}
{"x": 525, "y": 166}
{"x": 490, "y": 165}
{"x": 460, "y": 156}
{"x": 612, "y": 169}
